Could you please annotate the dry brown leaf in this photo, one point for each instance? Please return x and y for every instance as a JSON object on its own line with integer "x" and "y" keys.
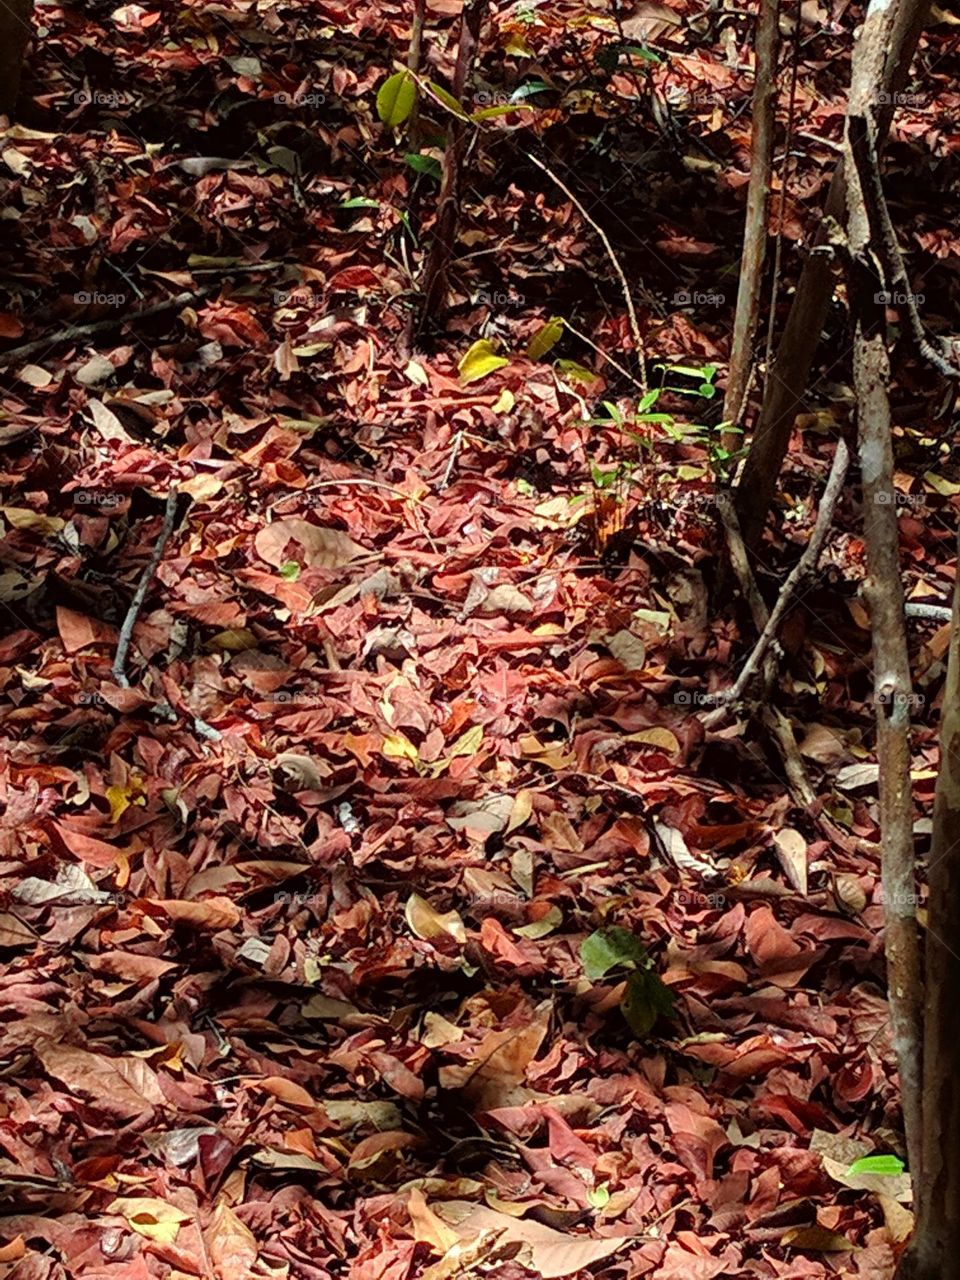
{"x": 427, "y": 1227}
{"x": 210, "y": 913}
{"x": 426, "y": 923}
{"x": 231, "y": 1245}
{"x": 314, "y": 546}
{"x": 792, "y": 852}
{"x": 123, "y": 1087}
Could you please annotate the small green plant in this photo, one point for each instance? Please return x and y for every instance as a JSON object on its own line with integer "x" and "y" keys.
{"x": 618, "y": 951}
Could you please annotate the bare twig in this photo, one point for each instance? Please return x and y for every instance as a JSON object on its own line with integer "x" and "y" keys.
{"x": 614, "y": 261}
{"x": 806, "y": 563}
{"x": 787, "y": 381}
{"x": 775, "y": 721}
{"x": 755, "y": 223}
{"x": 864, "y": 151}
{"x": 136, "y": 604}
{"x": 413, "y": 65}
{"x": 75, "y": 331}
{"x": 433, "y": 285}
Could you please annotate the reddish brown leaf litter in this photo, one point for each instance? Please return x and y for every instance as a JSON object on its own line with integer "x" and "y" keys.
{"x": 292, "y": 925}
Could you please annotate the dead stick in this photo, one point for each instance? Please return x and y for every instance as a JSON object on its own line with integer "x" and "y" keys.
{"x": 615, "y": 262}
{"x": 863, "y": 148}
{"x": 74, "y": 331}
{"x": 778, "y": 724}
{"x": 807, "y": 562}
{"x": 136, "y": 604}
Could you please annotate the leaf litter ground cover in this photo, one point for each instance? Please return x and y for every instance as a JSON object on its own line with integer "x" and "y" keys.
{"x": 401, "y": 918}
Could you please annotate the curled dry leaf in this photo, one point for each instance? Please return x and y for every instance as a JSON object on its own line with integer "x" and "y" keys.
{"x": 426, "y": 922}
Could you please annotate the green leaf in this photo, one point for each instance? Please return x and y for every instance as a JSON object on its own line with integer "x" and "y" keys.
{"x": 528, "y": 90}
{"x": 360, "y": 202}
{"x": 480, "y": 361}
{"x": 599, "y": 1197}
{"x": 546, "y": 338}
{"x": 425, "y": 164}
{"x": 448, "y": 100}
{"x": 290, "y": 570}
{"x": 611, "y": 948}
{"x": 885, "y": 1166}
{"x": 504, "y": 109}
{"x": 649, "y": 400}
{"x": 645, "y": 1000}
{"x": 707, "y": 390}
{"x": 575, "y": 372}
{"x": 396, "y": 99}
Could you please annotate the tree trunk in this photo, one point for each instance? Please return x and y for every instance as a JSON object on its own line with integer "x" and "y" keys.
{"x": 934, "y": 1252}
{"x": 14, "y": 32}
{"x": 755, "y": 224}
{"x": 883, "y": 588}
{"x": 787, "y": 380}
{"x": 444, "y": 235}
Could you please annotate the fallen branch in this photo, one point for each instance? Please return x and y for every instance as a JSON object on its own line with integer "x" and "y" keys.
{"x": 806, "y": 563}
{"x": 615, "y": 262}
{"x": 74, "y": 331}
{"x": 136, "y": 604}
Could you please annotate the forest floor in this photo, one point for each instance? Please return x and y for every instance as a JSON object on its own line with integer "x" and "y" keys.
{"x": 334, "y": 944}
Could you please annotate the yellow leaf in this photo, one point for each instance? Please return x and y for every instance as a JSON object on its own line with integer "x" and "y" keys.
{"x": 428, "y": 1229}
{"x": 448, "y": 100}
{"x": 396, "y": 99}
{"x": 416, "y": 373}
{"x": 945, "y": 487}
{"x": 468, "y": 744}
{"x": 233, "y": 640}
{"x": 517, "y": 47}
{"x": 396, "y": 746}
{"x": 545, "y": 339}
{"x": 663, "y": 739}
{"x": 521, "y": 811}
{"x": 576, "y": 372}
{"x": 480, "y": 361}
{"x": 24, "y": 518}
{"x": 540, "y": 928}
{"x": 150, "y": 1217}
{"x": 425, "y": 922}
{"x": 817, "y": 1239}
{"x": 505, "y": 401}
{"x": 121, "y": 798}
